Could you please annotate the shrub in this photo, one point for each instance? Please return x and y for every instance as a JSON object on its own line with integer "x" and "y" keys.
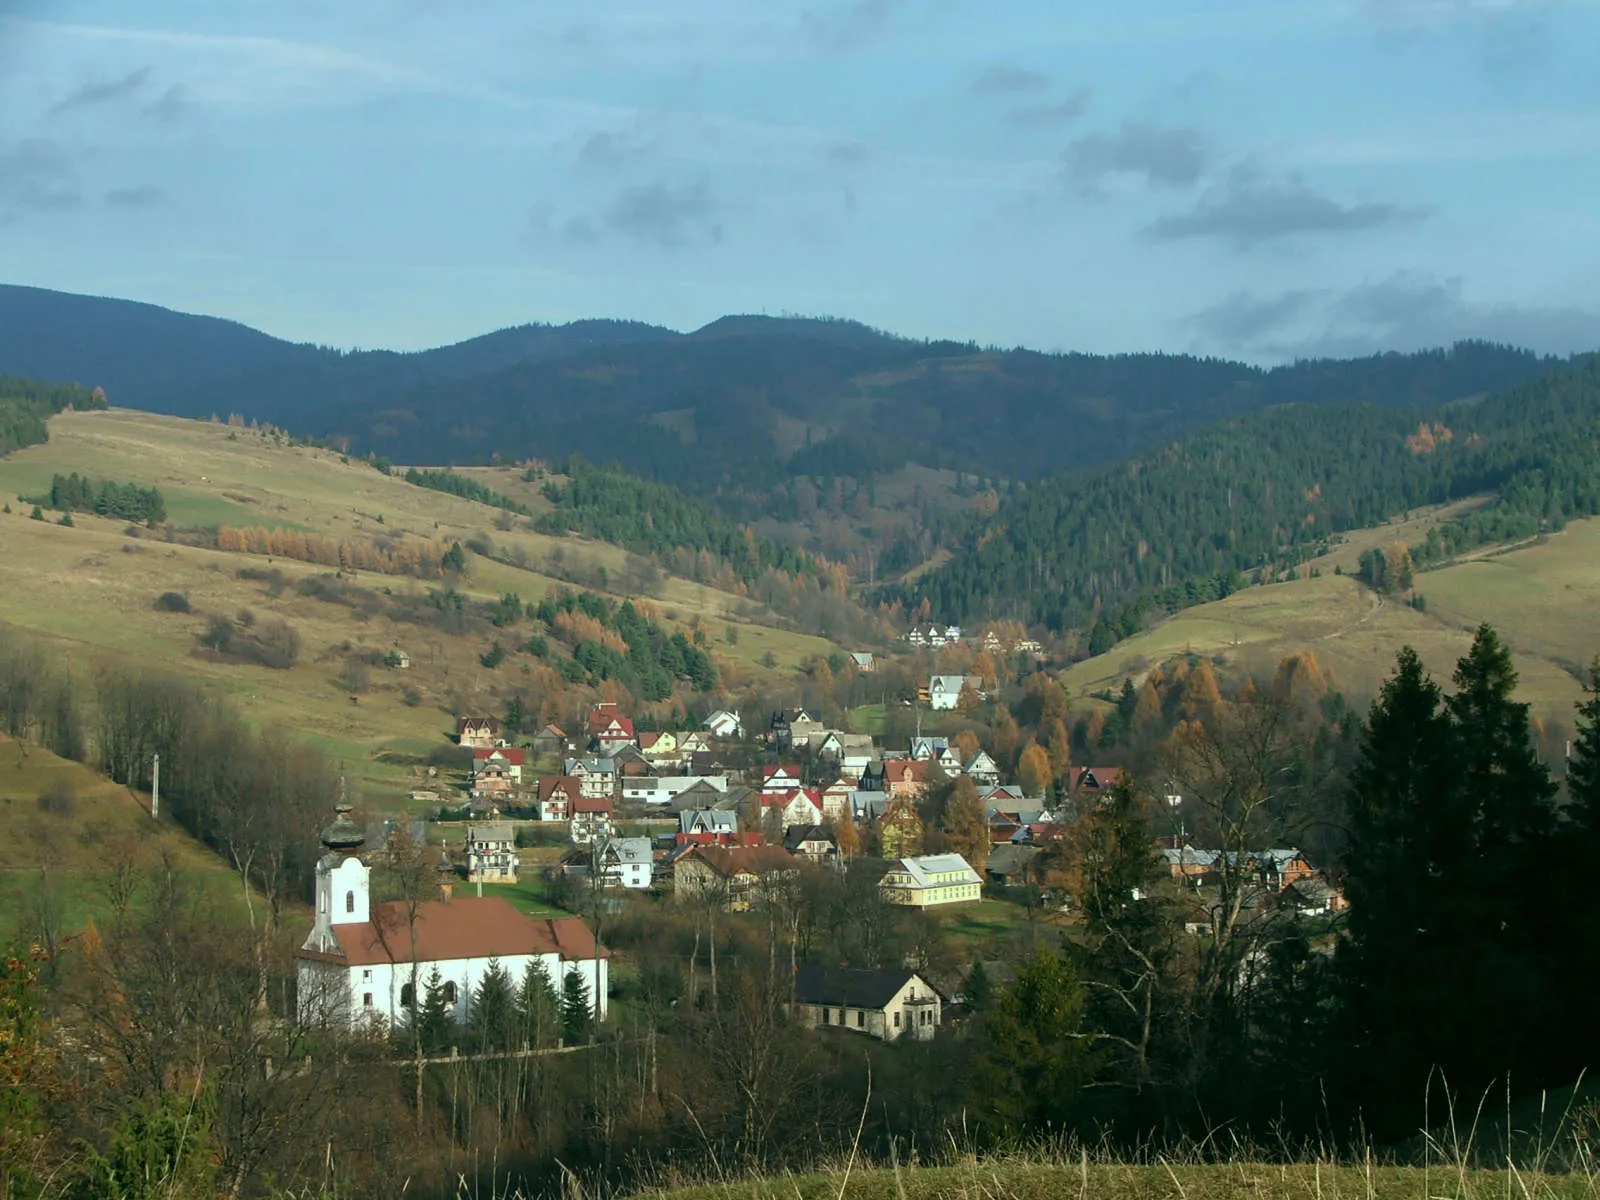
{"x": 57, "y": 799}
{"x": 279, "y": 645}
{"x": 66, "y": 519}
{"x": 245, "y": 619}
{"x": 410, "y": 696}
{"x": 37, "y": 514}
{"x": 172, "y": 602}
{"x": 493, "y": 656}
{"x": 353, "y": 676}
{"x": 218, "y": 635}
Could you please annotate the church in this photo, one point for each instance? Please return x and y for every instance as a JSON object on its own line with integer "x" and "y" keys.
{"x": 359, "y": 964}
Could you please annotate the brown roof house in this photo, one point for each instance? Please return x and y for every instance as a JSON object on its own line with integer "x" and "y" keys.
{"x": 478, "y": 731}
{"x": 363, "y": 964}
{"x": 733, "y": 875}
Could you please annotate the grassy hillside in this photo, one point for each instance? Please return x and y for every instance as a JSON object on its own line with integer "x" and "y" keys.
{"x": 91, "y": 587}
{"x": 1541, "y": 597}
{"x": 57, "y": 854}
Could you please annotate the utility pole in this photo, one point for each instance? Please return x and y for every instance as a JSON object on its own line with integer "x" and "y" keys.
{"x": 155, "y": 787}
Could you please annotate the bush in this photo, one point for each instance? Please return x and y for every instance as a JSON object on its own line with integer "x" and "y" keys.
{"x": 493, "y": 656}
{"x": 218, "y": 635}
{"x": 245, "y": 619}
{"x": 66, "y": 519}
{"x": 37, "y": 514}
{"x": 172, "y": 602}
{"x": 353, "y": 676}
{"x": 410, "y": 696}
{"x": 279, "y": 645}
{"x": 58, "y": 799}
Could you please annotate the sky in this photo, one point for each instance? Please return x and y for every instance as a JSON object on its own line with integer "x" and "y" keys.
{"x": 1257, "y": 180}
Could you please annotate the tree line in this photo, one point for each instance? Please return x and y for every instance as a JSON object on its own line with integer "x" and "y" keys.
{"x": 27, "y": 404}
{"x": 1265, "y": 492}
{"x": 454, "y": 483}
{"x": 107, "y": 497}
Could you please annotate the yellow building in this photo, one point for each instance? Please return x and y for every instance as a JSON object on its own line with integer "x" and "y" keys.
{"x": 932, "y": 880}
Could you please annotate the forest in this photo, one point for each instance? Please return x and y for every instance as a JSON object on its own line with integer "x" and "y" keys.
{"x": 1097, "y": 551}
{"x": 27, "y": 404}
{"x": 107, "y": 497}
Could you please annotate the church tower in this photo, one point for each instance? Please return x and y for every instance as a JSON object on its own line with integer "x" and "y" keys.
{"x": 344, "y": 895}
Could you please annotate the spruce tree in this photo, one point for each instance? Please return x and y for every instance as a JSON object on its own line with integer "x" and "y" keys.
{"x": 538, "y": 1006}
{"x": 1583, "y": 768}
{"x": 1404, "y": 1004}
{"x": 576, "y": 1019}
{"x": 492, "y": 1017}
{"x": 435, "y": 1021}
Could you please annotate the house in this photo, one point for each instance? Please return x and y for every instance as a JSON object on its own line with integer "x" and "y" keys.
{"x": 724, "y": 724}
{"x": 693, "y": 742}
{"x": 478, "y": 731}
{"x": 708, "y": 828}
{"x": 944, "y": 691}
{"x": 863, "y": 661}
{"x": 1011, "y": 864}
{"x": 699, "y": 795}
{"x": 497, "y": 771}
{"x": 932, "y": 880}
{"x": 887, "y": 1003}
{"x": 815, "y": 842}
{"x": 906, "y": 777}
{"x": 1284, "y": 868}
{"x": 733, "y": 876}
{"x": 926, "y": 749}
{"x": 363, "y": 964}
{"x": 900, "y": 828}
{"x": 590, "y": 820}
{"x": 982, "y": 770}
{"x": 836, "y": 800}
{"x": 492, "y": 853}
{"x": 608, "y": 729}
{"x": 871, "y": 777}
{"x": 794, "y": 806}
{"x": 661, "y": 790}
{"x": 399, "y": 660}
{"x": 791, "y": 727}
{"x": 1313, "y": 898}
{"x": 870, "y": 806}
{"x": 658, "y": 746}
{"x": 780, "y": 779}
{"x": 931, "y": 633}
{"x": 549, "y": 740}
{"x": 557, "y": 795}
{"x": 598, "y": 776}
{"x": 625, "y": 862}
{"x": 1087, "y": 784}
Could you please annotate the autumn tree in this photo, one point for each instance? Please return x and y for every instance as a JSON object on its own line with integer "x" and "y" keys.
{"x": 1033, "y": 771}
{"x": 965, "y": 826}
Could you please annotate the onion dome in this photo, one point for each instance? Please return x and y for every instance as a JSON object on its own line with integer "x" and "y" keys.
{"x": 343, "y": 833}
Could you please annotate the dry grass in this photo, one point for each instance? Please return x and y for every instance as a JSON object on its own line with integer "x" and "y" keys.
{"x": 88, "y": 590}
{"x": 1540, "y": 597}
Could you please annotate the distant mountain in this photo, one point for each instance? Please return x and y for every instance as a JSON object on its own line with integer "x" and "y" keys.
{"x": 736, "y": 409}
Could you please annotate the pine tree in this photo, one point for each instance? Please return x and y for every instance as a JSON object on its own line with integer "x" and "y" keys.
{"x": 576, "y": 1017}
{"x": 977, "y": 989}
{"x": 492, "y": 1017}
{"x": 436, "y": 1021}
{"x": 1037, "y": 1066}
{"x": 1583, "y": 768}
{"x": 538, "y": 1006}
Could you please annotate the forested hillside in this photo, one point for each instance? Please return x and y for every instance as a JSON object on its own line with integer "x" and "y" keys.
{"x": 27, "y": 404}
{"x": 1179, "y": 526}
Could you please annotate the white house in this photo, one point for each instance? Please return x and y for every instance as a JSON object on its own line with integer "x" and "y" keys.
{"x": 590, "y": 820}
{"x": 647, "y": 789}
{"x": 596, "y": 776}
{"x": 492, "y": 852}
{"x": 724, "y": 724}
{"x": 888, "y": 1003}
{"x": 794, "y": 806}
{"x": 363, "y": 964}
{"x": 982, "y": 770}
{"x": 625, "y": 862}
{"x": 931, "y": 880}
{"x": 944, "y": 691}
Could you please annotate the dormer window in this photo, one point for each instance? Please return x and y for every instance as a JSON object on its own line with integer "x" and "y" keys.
{"x": 349, "y": 902}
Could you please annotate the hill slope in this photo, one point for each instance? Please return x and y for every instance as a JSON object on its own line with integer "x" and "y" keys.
{"x": 1178, "y": 525}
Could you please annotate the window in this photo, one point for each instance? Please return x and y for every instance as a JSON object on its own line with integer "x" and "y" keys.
{"x": 861, "y": 1018}
{"x": 366, "y": 999}
{"x": 450, "y": 991}
{"x": 349, "y": 902}
{"x": 827, "y": 1016}
{"x": 897, "y": 1020}
{"x": 407, "y": 994}
{"x": 366, "y": 974}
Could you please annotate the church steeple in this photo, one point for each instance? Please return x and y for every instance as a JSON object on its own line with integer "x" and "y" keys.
{"x": 343, "y": 882}
{"x": 343, "y": 834}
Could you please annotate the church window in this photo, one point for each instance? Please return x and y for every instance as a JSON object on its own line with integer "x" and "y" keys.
{"x": 407, "y": 994}
{"x": 349, "y": 902}
{"x": 366, "y": 999}
{"x": 450, "y": 991}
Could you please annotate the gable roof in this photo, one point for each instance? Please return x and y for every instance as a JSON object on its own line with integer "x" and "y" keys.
{"x": 846, "y": 987}
{"x": 728, "y": 861}
{"x": 631, "y": 851}
{"x": 514, "y": 756}
{"x": 1098, "y": 778}
{"x": 708, "y": 821}
{"x": 467, "y": 927}
{"x": 797, "y": 835}
{"x": 550, "y": 784}
{"x": 486, "y": 724}
{"x": 902, "y": 770}
{"x": 591, "y": 804}
{"x": 923, "y": 868}
{"x": 490, "y": 831}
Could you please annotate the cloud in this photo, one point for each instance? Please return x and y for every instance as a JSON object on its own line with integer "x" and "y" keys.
{"x": 1247, "y": 208}
{"x": 38, "y": 175}
{"x": 1405, "y": 311}
{"x": 848, "y": 27}
{"x": 1005, "y": 81}
{"x": 1168, "y": 157}
{"x": 659, "y": 213}
{"x": 90, "y": 95}
{"x": 172, "y": 104}
{"x": 1067, "y": 110}
{"x": 137, "y": 197}
{"x": 609, "y": 149}
{"x": 848, "y": 154}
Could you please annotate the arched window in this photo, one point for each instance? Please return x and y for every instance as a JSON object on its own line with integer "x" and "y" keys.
{"x": 450, "y": 990}
{"x": 407, "y": 994}
{"x": 349, "y": 902}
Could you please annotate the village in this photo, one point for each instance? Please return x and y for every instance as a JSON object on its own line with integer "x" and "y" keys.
{"x": 733, "y": 819}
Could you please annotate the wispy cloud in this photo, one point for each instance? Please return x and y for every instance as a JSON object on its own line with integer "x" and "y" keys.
{"x": 140, "y": 196}
{"x": 842, "y": 28}
{"x": 1000, "y": 80}
{"x": 1060, "y": 113}
{"x": 1169, "y": 157}
{"x": 660, "y": 213}
{"x": 1247, "y": 208}
{"x": 37, "y": 175}
{"x": 90, "y": 95}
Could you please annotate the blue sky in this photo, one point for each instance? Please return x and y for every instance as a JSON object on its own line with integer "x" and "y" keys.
{"x": 1260, "y": 180}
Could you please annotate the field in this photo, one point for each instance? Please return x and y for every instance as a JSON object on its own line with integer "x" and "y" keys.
{"x": 1542, "y": 598}
{"x": 56, "y": 856}
{"x": 89, "y": 589}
